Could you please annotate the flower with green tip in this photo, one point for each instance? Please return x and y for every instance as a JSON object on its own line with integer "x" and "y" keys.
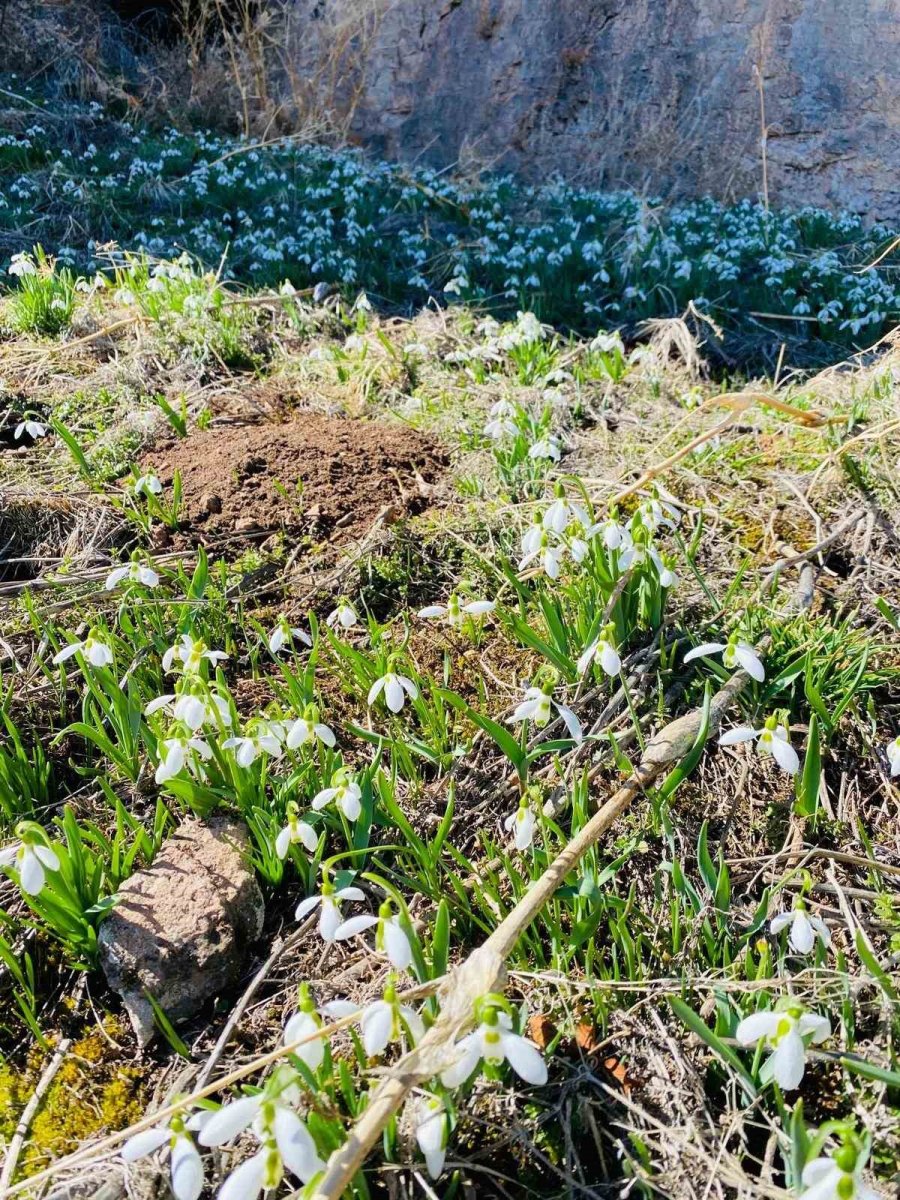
{"x": 786, "y": 1033}
{"x": 735, "y": 654}
{"x": 31, "y": 858}
{"x": 494, "y": 1042}
{"x": 773, "y": 739}
{"x": 295, "y": 831}
{"x": 391, "y": 938}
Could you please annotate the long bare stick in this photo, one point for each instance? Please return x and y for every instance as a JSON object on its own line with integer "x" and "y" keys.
{"x": 485, "y": 969}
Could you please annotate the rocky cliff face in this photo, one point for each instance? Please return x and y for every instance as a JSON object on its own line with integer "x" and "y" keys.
{"x": 650, "y": 93}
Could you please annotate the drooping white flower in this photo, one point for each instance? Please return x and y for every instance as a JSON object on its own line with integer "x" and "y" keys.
{"x": 283, "y": 635}
{"x": 94, "y": 651}
{"x": 186, "y": 1165}
{"x": 329, "y": 902}
{"x": 295, "y": 831}
{"x": 774, "y": 739}
{"x": 175, "y": 753}
{"x": 344, "y": 615}
{"x": 134, "y": 572}
{"x": 387, "y": 1020}
{"x": 395, "y": 688}
{"x": 837, "y": 1177}
{"x": 546, "y": 447}
{"x": 21, "y": 264}
{"x": 804, "y": 928}
{"x": 391, "y": 938}
{"x": 521, "y": 824}
{"x": 456, "y": 612}
{"x": 147, "y": 485}
{"x": 431, "y": 1135}
{"x": 537, "y": 707}
{"x": 285, "y": 1140}
{"x": 31, "y": 859}
{"x": 263, "y": 739}
{"x": 562, "y": 513}
{"x": 33, "y": 428}
{"x": 786, "y": 1033}
{"x": 603, "y": 651}
{"x": 305, "y": 1023}
{"x": 495, "y": 1043}
{"x": 893, "y": 754}
{"x": 344, "y": 792}
{"x": 193, "y": 711}
{"x": 309, "y": 728}
{"x": 734, "y": 654}
{"x": 542, "y": 546}
{"x": 613, "y": 533}
{"x": 191, "y": 654}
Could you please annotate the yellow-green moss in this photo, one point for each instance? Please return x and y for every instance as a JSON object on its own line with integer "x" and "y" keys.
{"x": 94, "y": 1092}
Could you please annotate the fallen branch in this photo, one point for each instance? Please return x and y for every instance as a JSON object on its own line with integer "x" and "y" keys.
{"x": 485, "y": 969}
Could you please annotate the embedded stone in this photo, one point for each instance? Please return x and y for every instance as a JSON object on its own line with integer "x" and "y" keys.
{"x": 181, "y": 929}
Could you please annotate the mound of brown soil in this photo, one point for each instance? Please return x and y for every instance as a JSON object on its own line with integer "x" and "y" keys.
{"x": 314, "y": 475}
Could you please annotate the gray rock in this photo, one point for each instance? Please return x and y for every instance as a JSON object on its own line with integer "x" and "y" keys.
{"x": 657, "y": 94}
{"x": 180, "y": 930}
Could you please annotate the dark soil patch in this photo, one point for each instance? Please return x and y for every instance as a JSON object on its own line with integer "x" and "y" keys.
{"x": 324, "y": 477}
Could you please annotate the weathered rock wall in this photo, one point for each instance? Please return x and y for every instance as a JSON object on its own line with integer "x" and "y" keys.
{"x": 651, "y": 93}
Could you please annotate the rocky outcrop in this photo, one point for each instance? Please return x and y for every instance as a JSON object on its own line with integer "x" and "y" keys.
{"x": 649, "y": 93}
{"x": 180, "y": 930}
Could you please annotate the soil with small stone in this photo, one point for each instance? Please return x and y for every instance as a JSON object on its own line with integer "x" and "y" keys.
{"x": 325, "y": 477}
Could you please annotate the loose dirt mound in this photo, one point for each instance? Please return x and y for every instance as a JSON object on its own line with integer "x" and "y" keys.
{"x": 313, "y": 475}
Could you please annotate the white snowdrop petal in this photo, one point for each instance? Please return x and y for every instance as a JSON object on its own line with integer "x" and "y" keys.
{"x": 733, "y": 737}
{"x": 376, "y": 1024}
{"x": 524, "y": 1058}
{"x": 31, "y": 873}
{"x": 705, "y": 651}
{"x": 756, "y": 1026}
{"x": 187, "y": 1170}
{"x": 229, "y": 1121}
{"x": 788, "y": 1061}
{"x": 462, "y": 1067}
{"x": 295, "y": 1143}
{"x": 246, "y": 1181}
{"x": 354, "y": 925}
{"x": 305, "y": 907}
{"x": 785, "y": 755}
{"x": 397, "y": 945}
{"x": 145, "y": 1142}
{"x": 750, "y": 661}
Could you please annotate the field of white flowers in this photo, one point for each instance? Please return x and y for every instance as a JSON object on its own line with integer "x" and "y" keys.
{"x": 570, "y": 776}
{"x": 75, "y": 181}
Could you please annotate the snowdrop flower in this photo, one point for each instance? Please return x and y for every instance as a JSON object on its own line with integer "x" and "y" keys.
{"x": 603, "y": 651}
{"x": 431, "y": 1135}
{"x": 191, "y": 654}
{"x": 542, "y": 546}
{"x": 394, "y": 686}
{"x": 537, "y": 707}
{"x": 521, "y": 823}
{"x": 185, "y": 1161}
{"x": 614, "y": 535}
{"x": 30, "y": 858}
{"x": 21, "y": 265}
{"x": 456, "y": 612}
{"x": 804, "y": 927}
{"x": 387, "y": 1020}
{"x": 329, "y": 902}
{"x": 734, "y": 654}
{"x": 838, "y": 1177}
{"x": 344, "y": 615}
{"x": 193, "y": 711}
{"x": 495, "y": 1043}
{"x": 134, "y": 572}
{"x": 502, "y": 421}
{"x": 546, "y": 447}
{"x": 773, "y": 739}
{"x": 786, "y": 1033}
{"x": 97, "y": 653}
{"x": 893, "y": 753}
{"x": 295, "y": 831}
{"x": 33, "y": 428}
{"x": 658, "y": 510}
{"x": 562, "y": 513}
{"x": 345, "y": 793}
{"x": 285, "y": 1139}
{"x": 306, "y": 1022}
{"x": 248, "y": 748}
{"x": 175, "y": 753}
{"x": 283, "y": 635}
{"x": 391, "y": 938}
{"x": 147, "y": 485}
{"x": 309, "y": 728}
